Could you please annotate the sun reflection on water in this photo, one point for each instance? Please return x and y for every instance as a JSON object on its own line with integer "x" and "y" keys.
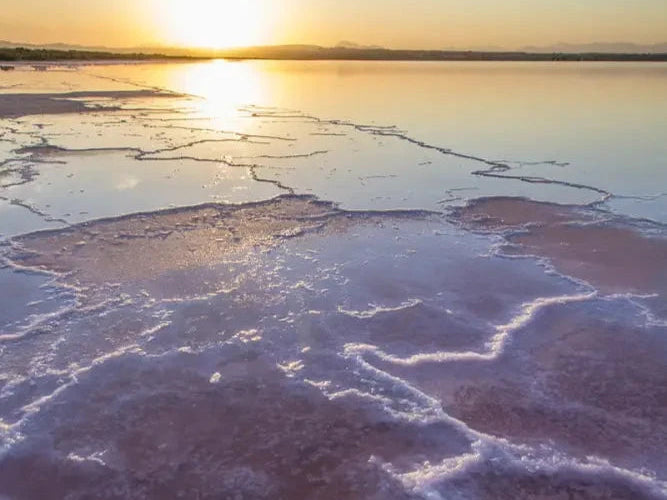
{"x": 224, "y": 87}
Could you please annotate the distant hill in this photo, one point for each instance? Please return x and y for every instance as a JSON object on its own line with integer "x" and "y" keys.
{"x": 345, "y": 44}
{"x": 601, "y": 48}
{"x": 314, "y": 52}
{"x": 5, "y": 44}
{"x": 568, "y": 48}
{"x": 306, "y": 52}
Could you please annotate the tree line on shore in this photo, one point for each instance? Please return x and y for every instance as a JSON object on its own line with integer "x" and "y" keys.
{"x": 320, "y": 53}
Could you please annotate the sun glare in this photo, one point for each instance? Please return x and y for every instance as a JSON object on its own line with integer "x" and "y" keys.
{"x": 224, "y": 87}
{"x": 213, "y": 23}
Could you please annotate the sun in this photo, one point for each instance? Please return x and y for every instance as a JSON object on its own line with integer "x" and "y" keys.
{"x": 212, "y": 23}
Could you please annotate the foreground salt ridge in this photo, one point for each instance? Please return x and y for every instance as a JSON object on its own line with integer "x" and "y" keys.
{"x": 426, "y": 479}
{"x": 495, "y": 346}
{"x": 485, "y": 447}
{"x": 80, "y": 371}
{"x": 352, "y": 351}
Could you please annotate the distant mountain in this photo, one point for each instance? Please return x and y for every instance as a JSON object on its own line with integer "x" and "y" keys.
{"x": 345, "y": 44}
{"x": 599, "y": 48}
{"x": 5, "y": 44}
{"x": 477, "y": 48}
{"x": 97, "y": 48}
{"x": 344, "y": 51}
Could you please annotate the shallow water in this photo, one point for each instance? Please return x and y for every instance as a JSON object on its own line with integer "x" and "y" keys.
{"x": 315, "y": 280}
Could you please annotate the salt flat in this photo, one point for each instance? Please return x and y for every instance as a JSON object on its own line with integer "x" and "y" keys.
{"x": 218, "y": 282}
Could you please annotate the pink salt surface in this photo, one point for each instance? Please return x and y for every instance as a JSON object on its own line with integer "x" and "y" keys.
{"x": 610, "y": 255}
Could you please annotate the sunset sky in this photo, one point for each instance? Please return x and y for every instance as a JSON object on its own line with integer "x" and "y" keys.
{"x": 391, "y": 23}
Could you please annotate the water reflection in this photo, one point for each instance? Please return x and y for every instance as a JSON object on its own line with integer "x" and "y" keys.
{"x": 608, "y": 121}
{"x": 222, "y": 87}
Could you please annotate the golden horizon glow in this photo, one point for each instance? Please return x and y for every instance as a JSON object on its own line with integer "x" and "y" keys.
{"x": 212, "y": 24}
{"x": 423, "y": 24}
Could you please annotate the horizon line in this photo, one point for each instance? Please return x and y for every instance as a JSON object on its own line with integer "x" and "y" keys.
{"x": 345, "y": 45}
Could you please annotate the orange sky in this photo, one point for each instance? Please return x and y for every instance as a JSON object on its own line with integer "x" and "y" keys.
{"x": 390, "y": 23}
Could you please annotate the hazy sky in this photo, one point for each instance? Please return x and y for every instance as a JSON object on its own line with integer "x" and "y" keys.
{"x": 391, "y": 23}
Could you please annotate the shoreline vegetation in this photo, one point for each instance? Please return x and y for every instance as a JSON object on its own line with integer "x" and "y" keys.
{"x": 35, "y": 55}
{"x": 307, "y": 52}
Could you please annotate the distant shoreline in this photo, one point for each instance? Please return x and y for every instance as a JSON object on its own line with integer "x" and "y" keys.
{"x": 15, "y": 55}
{"x": 11, "y": 55}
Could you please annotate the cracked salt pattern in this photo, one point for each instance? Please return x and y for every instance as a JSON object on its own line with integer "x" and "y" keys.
{"x": 249, "y": 288}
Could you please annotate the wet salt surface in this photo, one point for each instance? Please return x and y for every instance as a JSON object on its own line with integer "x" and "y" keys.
{"x": 383, "y": 337}
{"x": 26, "y": 297}
{"x": 292, "y": 152}
{"x": 593, "y": 124}
{"x": 607, "y": 251}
